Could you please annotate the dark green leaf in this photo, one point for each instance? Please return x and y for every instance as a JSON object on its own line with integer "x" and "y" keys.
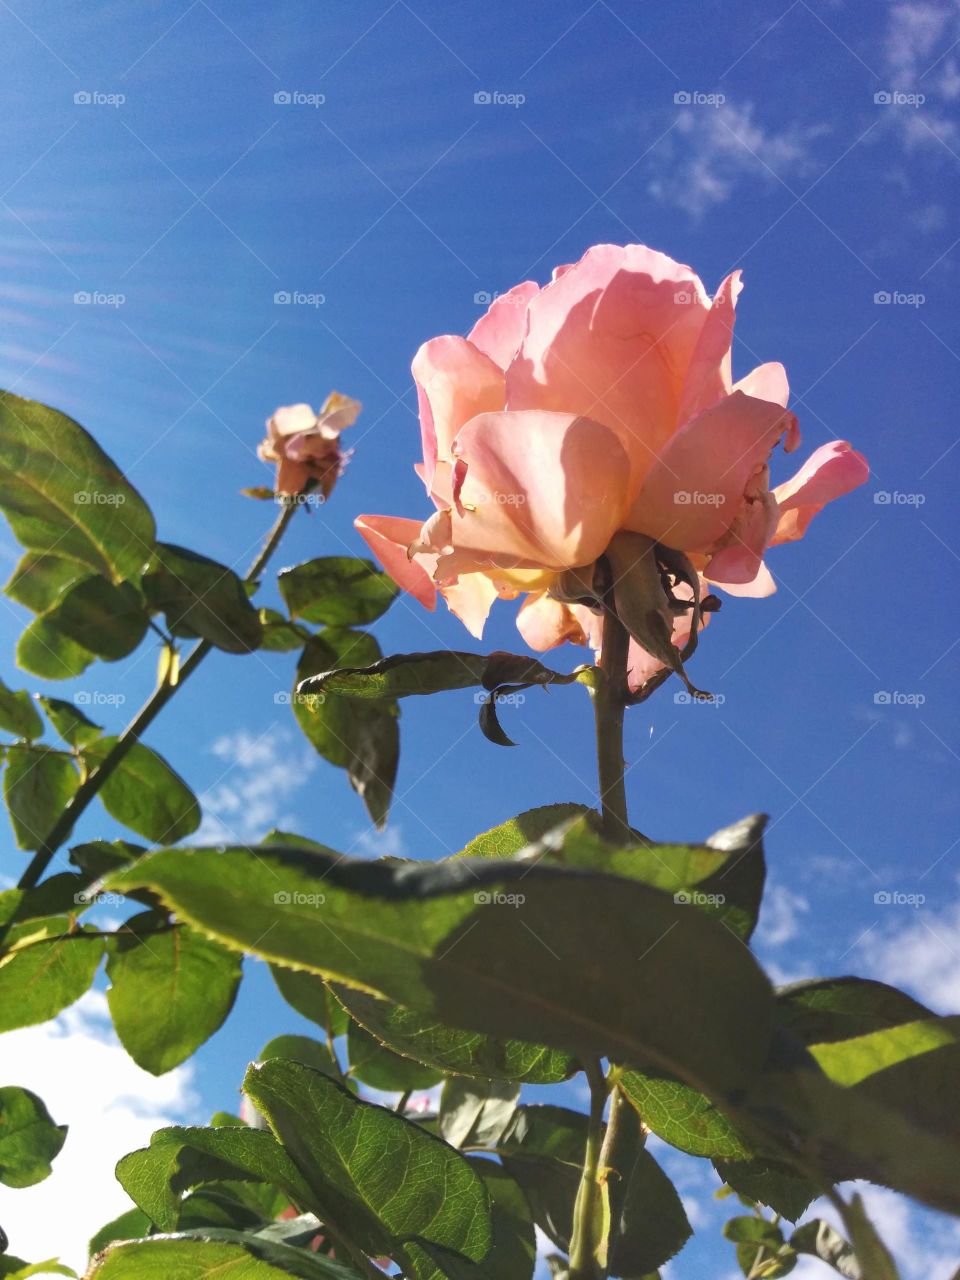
{"x": 202, "y": 598}
{"x": 753, "y": 1230}
{"x": 105, "y": 619}
{"x": 769, "y": 1183}
{"x": 128, "y": 1226}
{"x": 98, "y": 857}
{"x": 18, "y": 715}
{"x": 180, "y": 1159}
{"x": 38, "y": 580}
{"x": 145, "y": 794}
{"x": 63, "y": 495}
{"x": 818, "y": 1239}
{"x": 171, "y": 990}
{"x": 362, "y": 738}
{"x": 44, "y": 651}
{"x": 683, "y": 1116}
{"x": 450, "y": 1050}
{"x": 29, "y": 1139}
{"x": 212, "y": 1255}
{"x": 373, "y": 1064}
{"x": 405, "y": 674}
{"x": 37, "y": 785}
{"x": 516, "y": 937}
{"x": 337, "y": 591}
{"x": 71, "y": 724}
{"x": 44, "y": 967}
{"x": 425, "y": 1191}
{"x": 824, "y": 1009}
{"x": 653, "y": 1225}
{"x": 300, "y": 1049}
{"x": 312, "y": 998}
{"x": 544, "y": 1150}
{"x": 279, "y": 634}
{"x": 477, "y": 1113}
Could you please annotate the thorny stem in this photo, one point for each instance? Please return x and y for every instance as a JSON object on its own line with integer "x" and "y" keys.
{"x": 610, "y": 698}
{"x": 140, "y": 723}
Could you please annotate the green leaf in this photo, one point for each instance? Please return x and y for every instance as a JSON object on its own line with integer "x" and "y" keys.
{"x": 145, "y": 794}
{"x": 37, "y": 786}
{"x": 75, "y": 728}
{"x": 18, "y": 715}
{"x": 424, "y": 1191}
{"x": 97, "y": 857}
{"x": 373, "y": 1064}
{"x": 180, "y": 1159}
{"x": 450, "y": 1050}
{"x": 683, "y": 1116}
{"x": 105, "y": 619}
{"x": 819, "y": 1240}
{"x": 12, "y": 1268}
{"x": 337, "y": 591}
{"x": 770, "y": 1183}
{"x": 38, "y": 580}
{"x": 127, "y": 1226}
{"x": 653, "y": 1225}
{"x": 63, "y": 495}
{"x": 477, "y": 1113}
{"x": 543, "y": 1151}
{"x": 202, "y": 598}
{"x": 29, "y": 1139}
{"x": 312, "y": 998}
{"x": 44, "y": 651}
{"x": 279, "y": 634}
{"x": 213, "y": 1255}
{"x": 170, "y": 990}
{"x": 362, "y": 738}
{"x": 44, "y": 967}
{"x": 515, "y": 937}
{"x": 753, "y": 1230}
{"x": 824, "y": 1009}
{"x": 511, "y": 837}
{"x": 405, "y": 674}
{"x": 301, "y": 1049}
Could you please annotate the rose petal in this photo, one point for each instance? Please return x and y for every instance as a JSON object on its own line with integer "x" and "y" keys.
{"x": 455, "y": 381}
{"x": 766, "y": 382}
{"x": 762, "y": 585}
{"x": 337, "y": 413}
{"x": 709, "y": 372}
{"x": 830, "y": 472}
{"x": 469, "y": 599}
{"x": 540, "y": 490}
{"x": 545, "y": 623}
{"x": 611, "y": 338}
{"x": 741, "y": 556}
{"x": 291, "y": 419}
{"x": 498, "y": 332}
{"x": 389, "y": 537}
{"x": 694, "y": 491}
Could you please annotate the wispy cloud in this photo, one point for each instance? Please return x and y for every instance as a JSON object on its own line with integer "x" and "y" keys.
{"x": 923, "y": 955}
{"x": 921, "y": 57}
{"x": 781, "y": 916}
{"x": 260, "y": 777}
{"x": 713, "y": 149}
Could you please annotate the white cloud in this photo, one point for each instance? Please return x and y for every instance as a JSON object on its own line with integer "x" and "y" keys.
{"x": 260, "y": 777}
{"x": 780, "y": 915}
{"x": 922, "y": 954}
{"x": 918, "y": 57}
{"x": 78, "y": 1067}
{"x": 712, "y": 149}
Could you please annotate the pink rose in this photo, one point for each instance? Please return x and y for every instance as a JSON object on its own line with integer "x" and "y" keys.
{"x": 597, "y": 418}
{"x": 306, "y": 445}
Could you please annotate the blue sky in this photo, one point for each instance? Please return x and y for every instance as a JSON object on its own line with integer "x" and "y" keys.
{"x": 817, "y": 148}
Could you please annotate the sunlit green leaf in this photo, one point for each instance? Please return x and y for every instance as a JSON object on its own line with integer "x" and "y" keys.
{"x": 29, "y": 1139}
{"x": 201, "y": 597}
{"x": 38, "y": 782}
{"x": 337, "y": 591}
{"x": 145, "y": 794}
{"x": 45, "y": 965}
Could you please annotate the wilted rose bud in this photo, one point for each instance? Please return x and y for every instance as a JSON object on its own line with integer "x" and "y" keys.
{"x": 306, "y": 445}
